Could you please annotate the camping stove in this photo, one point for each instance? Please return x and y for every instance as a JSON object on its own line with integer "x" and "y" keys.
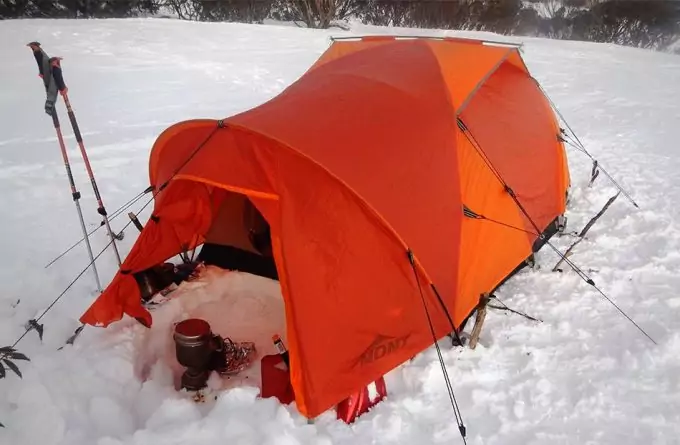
{"x": 201, "y": 352}
{"x": 193, "y": 348}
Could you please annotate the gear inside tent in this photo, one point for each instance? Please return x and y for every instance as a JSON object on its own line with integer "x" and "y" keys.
{"x": 398, "y": 180}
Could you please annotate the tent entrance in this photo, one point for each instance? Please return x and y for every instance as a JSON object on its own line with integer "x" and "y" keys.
{"x": 239, "y": 238}
{"x": 246, "y": 307}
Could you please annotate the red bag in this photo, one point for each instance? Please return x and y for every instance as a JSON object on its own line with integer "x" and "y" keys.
{"x": 276, "y": 379}
{"x": 360, "y": 402}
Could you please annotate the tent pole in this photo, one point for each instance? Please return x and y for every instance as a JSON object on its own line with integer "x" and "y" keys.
{"x": 411, "y": 37}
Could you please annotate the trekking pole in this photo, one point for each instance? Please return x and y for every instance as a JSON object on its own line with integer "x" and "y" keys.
{"x": 54, "y": 65}
{"x": 101, "y": 209}
{"x": 75, "y": 194}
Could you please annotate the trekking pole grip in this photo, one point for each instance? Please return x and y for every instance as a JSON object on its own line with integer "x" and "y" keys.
{"x": 57, "y": 74}
{"x": 38, "y": 55}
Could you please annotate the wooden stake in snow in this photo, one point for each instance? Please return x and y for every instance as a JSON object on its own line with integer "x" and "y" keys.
{"x": 479, "y": 320}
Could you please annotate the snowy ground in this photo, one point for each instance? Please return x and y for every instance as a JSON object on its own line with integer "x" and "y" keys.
{"x": 582, "y": 376}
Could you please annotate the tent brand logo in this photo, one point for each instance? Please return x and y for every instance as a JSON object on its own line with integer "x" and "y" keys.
{"x": 381, "y": 347}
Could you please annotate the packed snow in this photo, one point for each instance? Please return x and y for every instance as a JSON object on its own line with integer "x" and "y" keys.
{"x": 581, "y": 375}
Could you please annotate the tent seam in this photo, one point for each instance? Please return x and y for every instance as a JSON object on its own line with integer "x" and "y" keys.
{"x": 483, "y": 81}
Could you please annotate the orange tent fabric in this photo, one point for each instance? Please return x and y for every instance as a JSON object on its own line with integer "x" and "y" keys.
{"x": 385, "y": 146}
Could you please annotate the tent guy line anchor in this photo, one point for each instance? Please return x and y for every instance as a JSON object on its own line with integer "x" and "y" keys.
{"x": 596, "y": 163}
{"x": 576, "y": 143}
{"x": 470, "y": 137}
{"x": 581, "y": 235}
{"x": 597, "y": 166}
{"x": 505, "y": 307}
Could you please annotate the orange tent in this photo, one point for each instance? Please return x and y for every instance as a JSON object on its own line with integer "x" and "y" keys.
{"x": 401, "y": 178}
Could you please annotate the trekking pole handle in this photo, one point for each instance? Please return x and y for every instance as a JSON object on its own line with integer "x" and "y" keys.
{"x": 57, "y": 74}
{"x": 38, "y": 55}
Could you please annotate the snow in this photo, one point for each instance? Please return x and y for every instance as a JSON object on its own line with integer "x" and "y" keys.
{"x": 582, "y": 375}
{"x": 240, "y": 306}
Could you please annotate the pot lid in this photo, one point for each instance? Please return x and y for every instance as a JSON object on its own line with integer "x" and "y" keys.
{"x": 192, "y": 328}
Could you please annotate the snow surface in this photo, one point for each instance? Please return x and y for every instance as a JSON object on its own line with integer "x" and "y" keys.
{"x": 583, "y": 375}
{"x": 238, "y": 306}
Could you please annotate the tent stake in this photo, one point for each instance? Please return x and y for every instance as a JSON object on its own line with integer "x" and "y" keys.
{"x": 581, "y": 236}
{"x": 479, "y": 320}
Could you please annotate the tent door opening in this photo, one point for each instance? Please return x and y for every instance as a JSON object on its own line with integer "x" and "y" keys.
{"x": 239, "y": 238}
